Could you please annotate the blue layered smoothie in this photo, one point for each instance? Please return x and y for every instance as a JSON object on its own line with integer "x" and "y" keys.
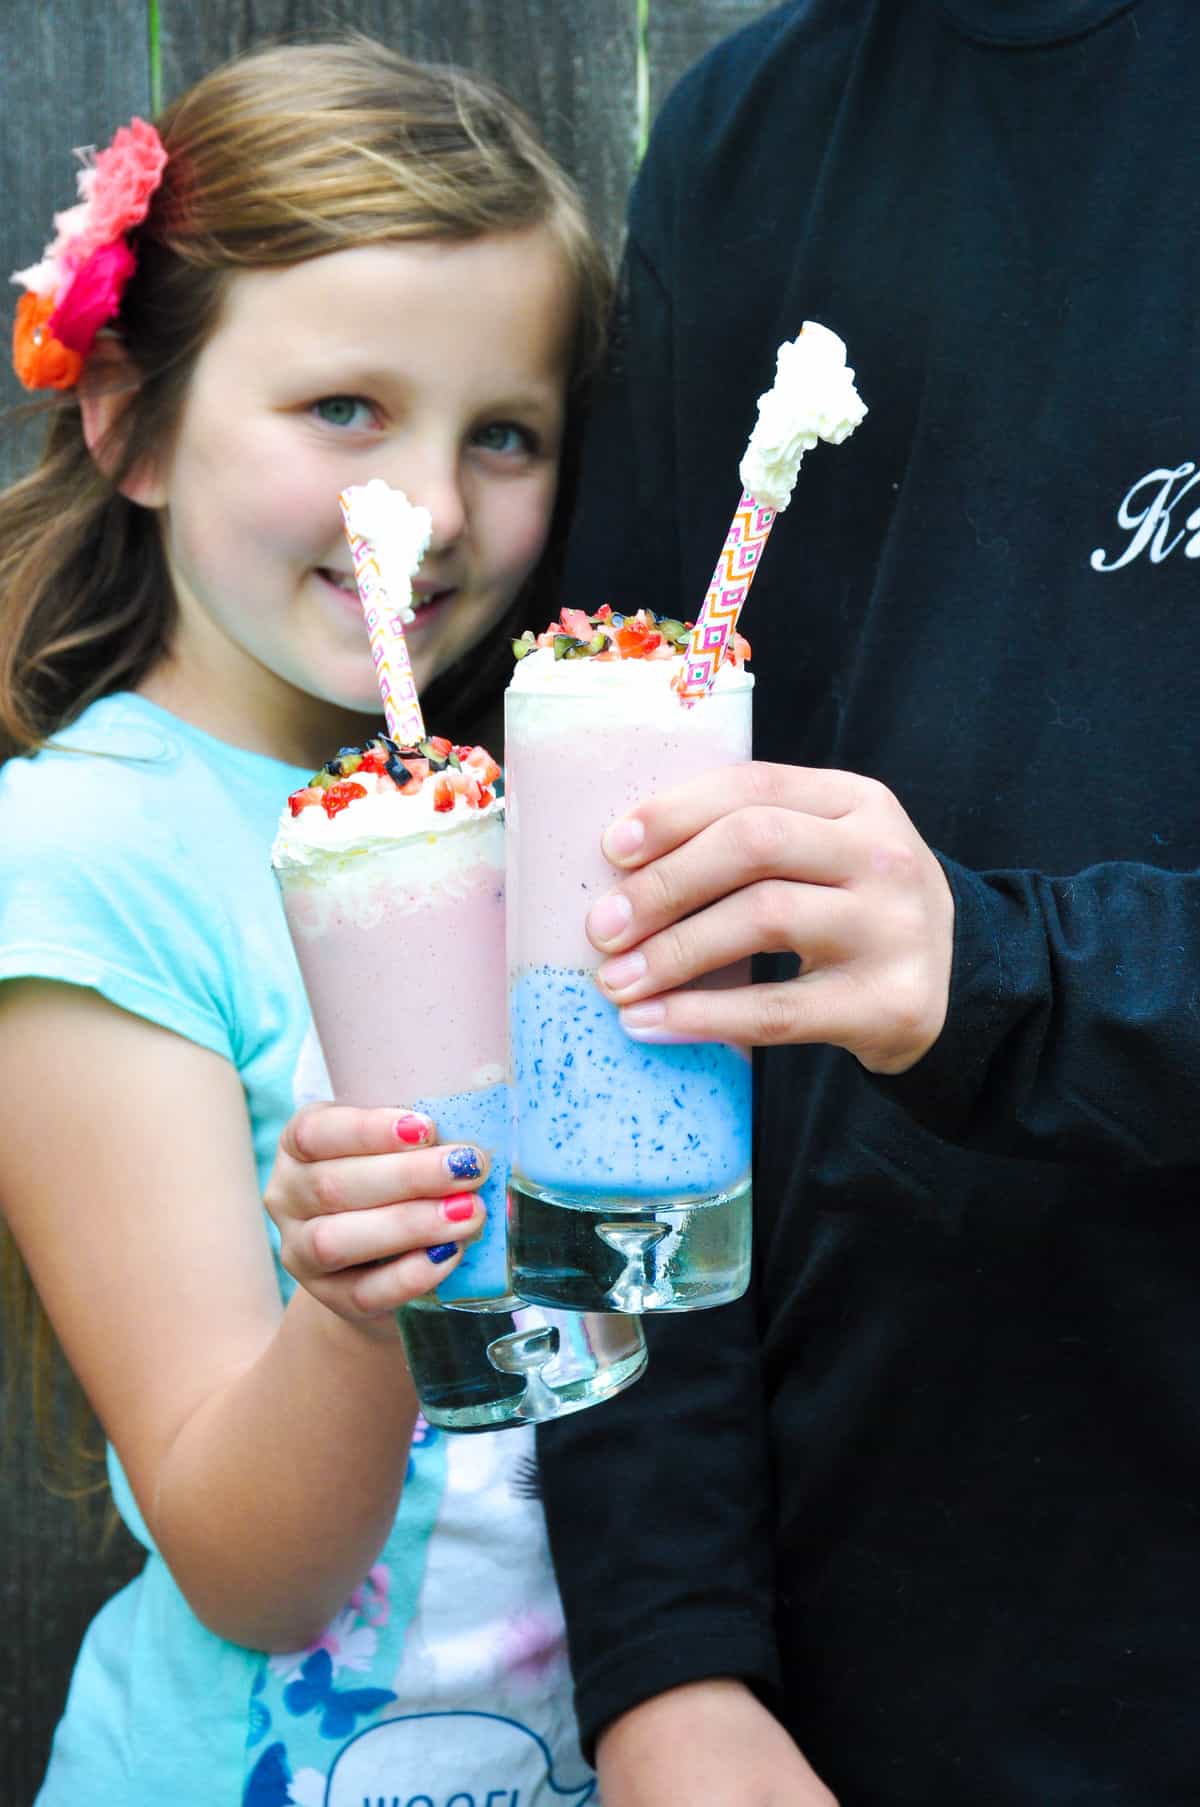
{"x": 482, "y": 1118}
{"x": 600, "y": 1116}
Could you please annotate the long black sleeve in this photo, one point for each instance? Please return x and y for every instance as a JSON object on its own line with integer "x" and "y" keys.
{"x": 659, "y": 1505}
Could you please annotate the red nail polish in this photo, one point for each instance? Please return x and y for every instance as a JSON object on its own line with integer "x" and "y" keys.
{"x": 458, "y": 1206}
{"x": 411, "y": 1129}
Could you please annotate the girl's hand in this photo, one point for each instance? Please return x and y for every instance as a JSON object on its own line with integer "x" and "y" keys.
{"x": 371, "y": 1211}
{"x": 776, "y": 858}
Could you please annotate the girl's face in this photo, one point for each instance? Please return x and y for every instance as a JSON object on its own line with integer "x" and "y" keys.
{"x": 440, "y": 367}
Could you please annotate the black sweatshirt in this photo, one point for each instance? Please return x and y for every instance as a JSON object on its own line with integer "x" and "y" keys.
{"x": 934, "y": 1487}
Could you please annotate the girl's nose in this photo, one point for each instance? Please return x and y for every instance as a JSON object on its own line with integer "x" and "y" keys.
{"x": 437, "y": 487}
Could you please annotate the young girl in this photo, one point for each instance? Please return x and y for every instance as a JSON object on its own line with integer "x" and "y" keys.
{"x": 327, "y": 265}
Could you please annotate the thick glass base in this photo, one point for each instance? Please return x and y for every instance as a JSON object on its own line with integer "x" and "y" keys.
{"x": 515, "y": 1363}
{"x": 628, "y": 1255}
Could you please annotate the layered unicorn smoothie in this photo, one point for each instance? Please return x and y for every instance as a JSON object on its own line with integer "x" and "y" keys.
{"x": 603, "y": 1126}
{"x": 391, "y": 866}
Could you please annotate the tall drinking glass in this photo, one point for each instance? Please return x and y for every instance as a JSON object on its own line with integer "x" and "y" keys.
{"x": 630, "y": 1184}
{"x": 395, "y": 903}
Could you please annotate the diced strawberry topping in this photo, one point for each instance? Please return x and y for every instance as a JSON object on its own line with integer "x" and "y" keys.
{"x": 576, "y": 623}
{"x": 339, "y": 795}
{"x": 636, "y": 640}
{"x": 479, "y": 761}
{"x": 443, "y": 793}
{"x": 302, "y": 798}
{"x": 374, "y": 760}
{"x": 444, "y": 747}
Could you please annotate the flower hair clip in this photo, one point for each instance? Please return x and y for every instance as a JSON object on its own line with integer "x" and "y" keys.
{"x": 77, "y": 287}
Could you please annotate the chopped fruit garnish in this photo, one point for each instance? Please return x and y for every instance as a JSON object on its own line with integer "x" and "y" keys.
{"x": 576, "y": 623}
{"x": 480, "y": 761}
{"x": 608, "y": 634}
{"x": 339, "y": 795}
{"x": 466, "y": 771}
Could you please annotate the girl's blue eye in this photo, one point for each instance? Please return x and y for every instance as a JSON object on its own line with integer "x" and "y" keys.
{"x": 342, "y": 411}
{"x": 507, "y": 437}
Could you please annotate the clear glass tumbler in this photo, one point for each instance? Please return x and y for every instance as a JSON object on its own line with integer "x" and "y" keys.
{"x": 400, "y": 940}
{"x": 630, "y": 1183}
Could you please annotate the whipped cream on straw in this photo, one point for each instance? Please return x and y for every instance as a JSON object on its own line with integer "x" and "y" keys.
{"x": 388, "y": 538}
{"x": 813, "y": 397}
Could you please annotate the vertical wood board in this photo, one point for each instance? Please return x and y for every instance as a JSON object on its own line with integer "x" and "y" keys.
{"x": 680, "y": 31}
{"x": 571, "y": 63}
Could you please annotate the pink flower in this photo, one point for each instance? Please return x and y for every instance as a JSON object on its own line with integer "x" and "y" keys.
{"x": 118, "y": 187}
{"x": 93, "y": 297}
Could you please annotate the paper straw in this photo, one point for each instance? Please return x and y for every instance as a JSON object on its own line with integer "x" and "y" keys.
{"x": 388, "y": 537}
{"x": 723, "y": 601}
{"x": 813, "y": 397}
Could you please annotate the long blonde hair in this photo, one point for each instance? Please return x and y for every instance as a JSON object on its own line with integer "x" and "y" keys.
{"x": 283, "y": 155}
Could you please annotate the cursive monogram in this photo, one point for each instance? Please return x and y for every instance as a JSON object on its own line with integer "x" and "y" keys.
{"x": 1148, "y": 514}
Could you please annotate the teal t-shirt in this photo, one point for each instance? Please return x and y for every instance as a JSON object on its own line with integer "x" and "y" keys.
{"x": 135, "y": 859}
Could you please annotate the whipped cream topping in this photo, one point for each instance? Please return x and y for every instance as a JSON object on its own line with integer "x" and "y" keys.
{"x": 382, "y": 818}
{"x": 398, "y": 533}
{"x": 615, "y": 693}
{"x": 813, "y": 397}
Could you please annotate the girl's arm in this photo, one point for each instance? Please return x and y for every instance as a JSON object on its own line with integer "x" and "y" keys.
{"x": 266, "y": 1446}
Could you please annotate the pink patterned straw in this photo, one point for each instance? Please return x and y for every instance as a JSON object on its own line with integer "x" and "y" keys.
{"x": 388, "y": 539}
{"x": 813, "y": 397}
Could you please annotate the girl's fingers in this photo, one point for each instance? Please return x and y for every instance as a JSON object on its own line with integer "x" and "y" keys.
{"x": 372, "y": 1291}
{"x": 356, "y": 1183}
{"x": 672, "y": 817}
{"x": 322, "y": 1132}
{"x": 329, "y": 1245}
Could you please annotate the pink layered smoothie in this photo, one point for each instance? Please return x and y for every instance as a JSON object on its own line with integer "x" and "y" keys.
{"x": 589, "y": 733}
{"x": 391, "y": 867}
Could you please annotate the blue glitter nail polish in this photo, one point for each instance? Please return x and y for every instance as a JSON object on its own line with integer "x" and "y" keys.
{"x": 442, "y": 1251}
{"x": 464, "y": 1163}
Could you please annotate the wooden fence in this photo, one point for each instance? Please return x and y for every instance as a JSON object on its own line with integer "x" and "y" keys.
{"x": 592, "y": 73}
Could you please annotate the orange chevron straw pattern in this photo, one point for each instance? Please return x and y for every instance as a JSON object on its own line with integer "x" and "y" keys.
{"x": 726, "y": 593}
{"x": 389, "y": 650}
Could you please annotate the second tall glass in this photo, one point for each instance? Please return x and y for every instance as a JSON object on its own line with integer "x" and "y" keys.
{"x": 630, "y": 1184}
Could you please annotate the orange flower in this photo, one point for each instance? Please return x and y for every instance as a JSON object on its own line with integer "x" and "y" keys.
{"x": 38, "y": 358}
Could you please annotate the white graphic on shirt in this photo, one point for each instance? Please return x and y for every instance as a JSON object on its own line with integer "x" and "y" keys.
{"x": 1151, "y": 515}
{"x": 387, "y": 1765}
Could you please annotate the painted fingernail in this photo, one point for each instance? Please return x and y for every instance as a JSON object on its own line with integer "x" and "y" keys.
{"x": 623, "y": 839}
{"x": 616, "y": 975}
{"x": 412, "y": 1129}
{"x": 645, "y": 1023}
{"x": 442, "y": 1251}
{"x": 458, "y": 1206}
{"x": 464, "y": 1163}
{"x": 610, "y": 917}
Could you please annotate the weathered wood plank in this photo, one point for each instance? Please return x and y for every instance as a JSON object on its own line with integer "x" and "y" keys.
{"x": 680, "y": 31}
{"x": 571, "y": 63}
{"x": 69, "y": 75}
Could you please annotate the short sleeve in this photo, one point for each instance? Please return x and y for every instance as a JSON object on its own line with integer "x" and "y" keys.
{"x": 99, "y": 887}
